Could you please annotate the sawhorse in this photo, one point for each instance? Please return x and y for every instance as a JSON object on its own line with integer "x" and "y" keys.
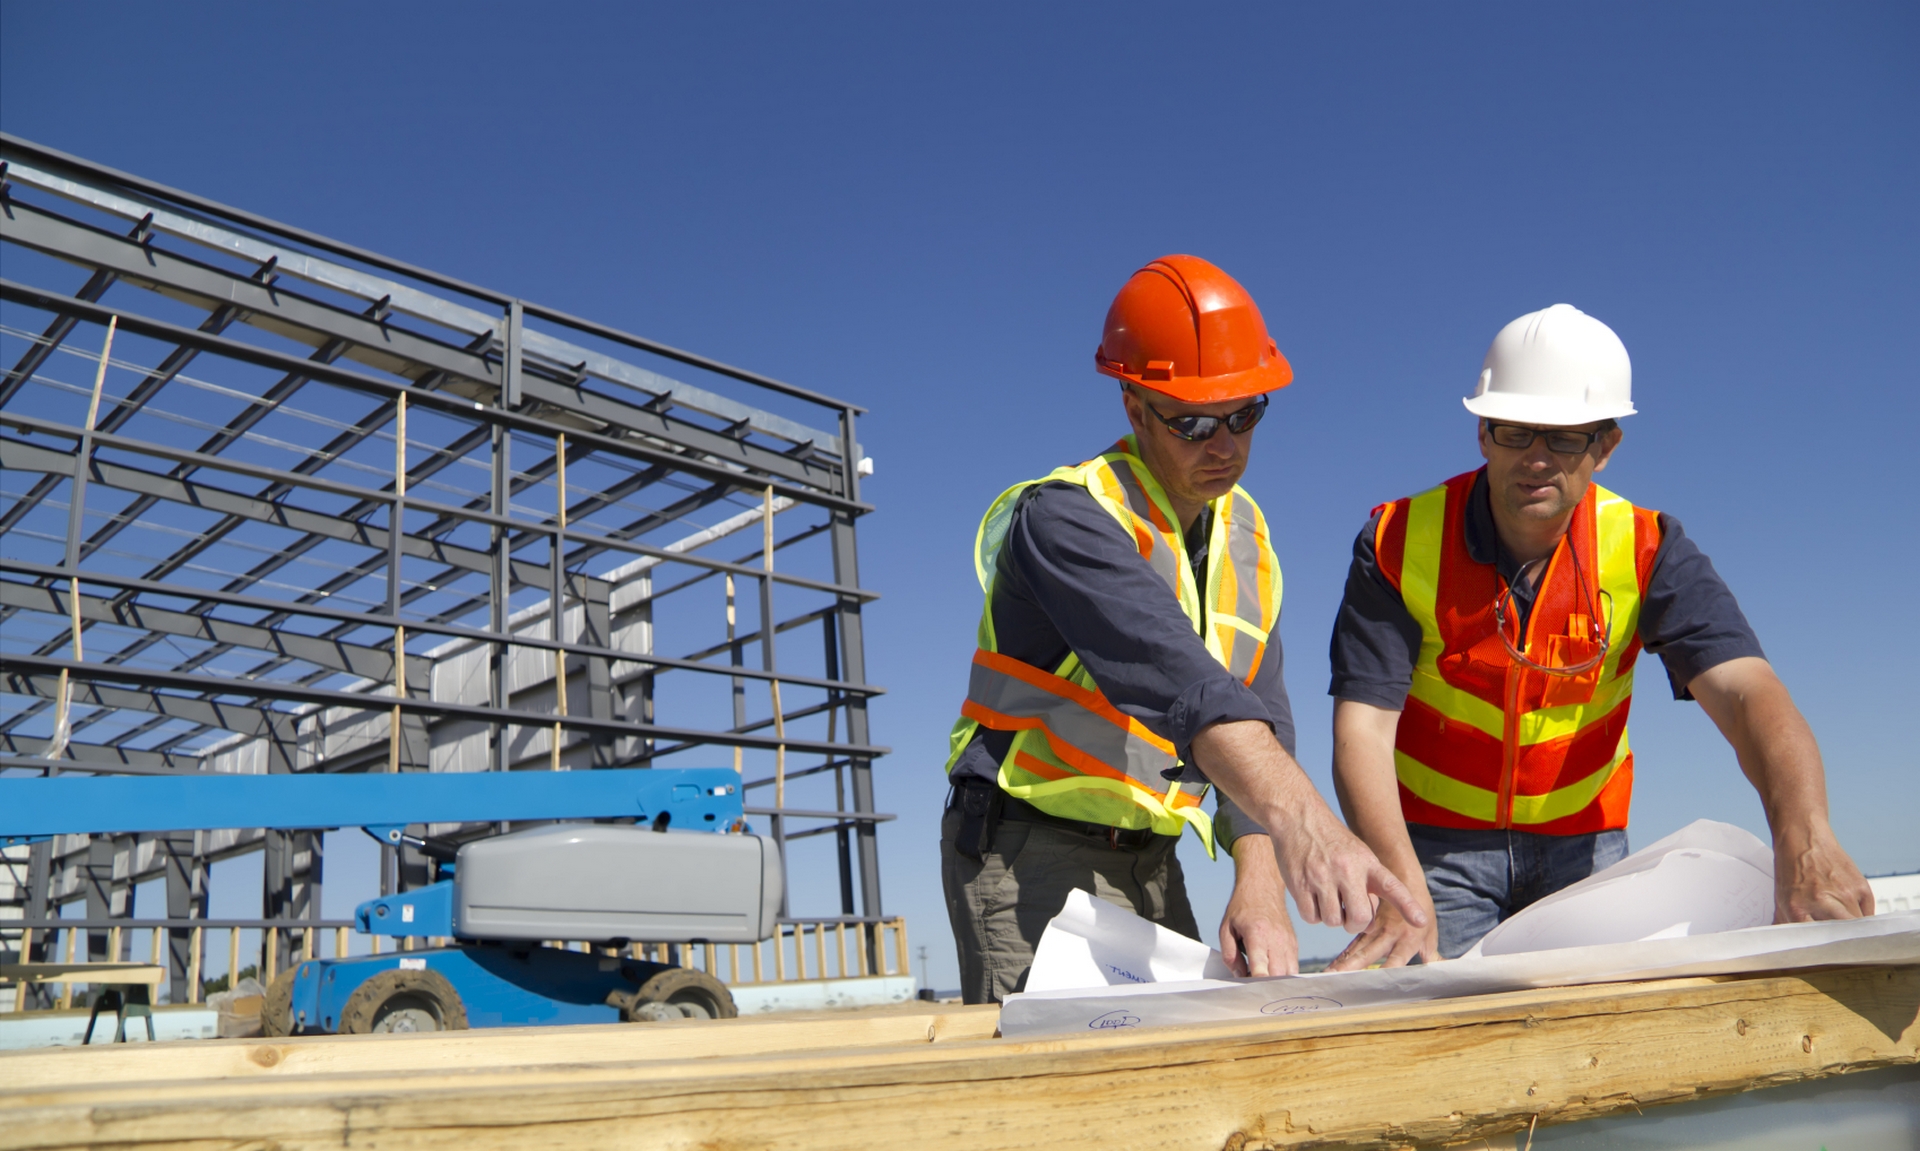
{"x": 125, "y": 988}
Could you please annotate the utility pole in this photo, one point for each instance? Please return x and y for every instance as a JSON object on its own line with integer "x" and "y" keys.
{"x": 926, "y": 981}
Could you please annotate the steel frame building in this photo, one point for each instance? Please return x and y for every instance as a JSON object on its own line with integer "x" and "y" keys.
{"x": 273, "y": 503}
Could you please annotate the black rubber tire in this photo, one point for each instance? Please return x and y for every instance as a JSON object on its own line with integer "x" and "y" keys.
{"x": 680, "y": 993}
{"x": 276, "y": 1007}
{"x": 421, "y": 995}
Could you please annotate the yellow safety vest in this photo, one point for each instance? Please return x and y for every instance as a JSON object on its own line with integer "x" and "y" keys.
{"x": 1074, "y": 754}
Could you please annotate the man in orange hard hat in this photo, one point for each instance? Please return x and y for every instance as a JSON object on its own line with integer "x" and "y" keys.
{"x": 1129, "y": 658}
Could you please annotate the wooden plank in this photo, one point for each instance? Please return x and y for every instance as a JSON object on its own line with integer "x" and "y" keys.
{"x": 515, "y": 1047}
{"x": 83, "y": 972}
{"x": 1378, "y": 1078}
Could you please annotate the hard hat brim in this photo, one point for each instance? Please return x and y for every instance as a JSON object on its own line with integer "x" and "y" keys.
{"x": 1543, "y": 411}
{"x": 1269, "y": 377}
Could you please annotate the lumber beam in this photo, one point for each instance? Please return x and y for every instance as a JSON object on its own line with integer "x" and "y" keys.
{"x": 1388, "y": 1077}
{"x": 511, "y": 1047}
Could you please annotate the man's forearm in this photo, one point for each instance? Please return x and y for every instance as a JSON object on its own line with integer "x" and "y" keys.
{"x": 1813, "y": 876}
{"x": 1333, "y": 876}
{"x": 1364, "y": 781}
{"x": 1771, "y": 739}
{"x": 1243, "y": 759}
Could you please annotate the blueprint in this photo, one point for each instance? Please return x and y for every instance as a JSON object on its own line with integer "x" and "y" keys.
{"x": 1698, "y": 902}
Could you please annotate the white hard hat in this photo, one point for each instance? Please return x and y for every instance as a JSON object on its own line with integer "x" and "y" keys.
{"x": 1554, "y": 368}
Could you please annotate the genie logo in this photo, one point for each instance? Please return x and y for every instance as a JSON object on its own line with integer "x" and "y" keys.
{"x": 1300, "y": 1005}
{"x": 1114, "y": 1020}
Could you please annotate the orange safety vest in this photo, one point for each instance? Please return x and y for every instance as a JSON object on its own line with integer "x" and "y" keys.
{"x": 1485, "y": 741}
{"x": 1074, "y": 754}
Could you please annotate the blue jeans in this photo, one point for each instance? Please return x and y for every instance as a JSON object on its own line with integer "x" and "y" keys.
{"x": 1480, "y": 878}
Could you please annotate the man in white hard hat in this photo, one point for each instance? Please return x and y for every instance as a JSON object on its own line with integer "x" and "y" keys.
{"x": 1483, "y": 665}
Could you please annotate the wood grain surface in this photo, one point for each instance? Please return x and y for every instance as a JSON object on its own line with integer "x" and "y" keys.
{"x": 1382, "y": 1077}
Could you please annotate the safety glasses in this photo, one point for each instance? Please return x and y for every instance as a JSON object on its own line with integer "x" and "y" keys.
{"x": 1196, "y": 428}
{"x": 1559, "y": 440}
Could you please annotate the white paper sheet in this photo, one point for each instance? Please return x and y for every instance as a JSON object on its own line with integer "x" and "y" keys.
{"x": 1683, "y": 906}
{"x": 1705, "y": 878}
{"x": 1093, "y": 943}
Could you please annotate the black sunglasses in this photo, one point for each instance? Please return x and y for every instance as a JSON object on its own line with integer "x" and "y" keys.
{"x": 1566, "y": 443}
{"x": 1195, "y": 428}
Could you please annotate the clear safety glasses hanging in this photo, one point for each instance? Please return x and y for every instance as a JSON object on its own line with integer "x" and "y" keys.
{"x": 1601, "y": 626}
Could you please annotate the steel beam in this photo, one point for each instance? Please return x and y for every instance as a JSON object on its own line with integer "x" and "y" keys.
{"x": 636, "y": 447}
{"x": 162, "y": 684}
{"x": 372, "y": 662}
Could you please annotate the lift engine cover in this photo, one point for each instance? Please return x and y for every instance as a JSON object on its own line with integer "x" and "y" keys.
{"x": 599, "y": 882}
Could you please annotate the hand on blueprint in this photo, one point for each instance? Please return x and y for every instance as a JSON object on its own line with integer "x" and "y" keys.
{"x": 1256, "y": 935}
{"x": 1813, "y": 878}
{"x": 1391, "y": 941}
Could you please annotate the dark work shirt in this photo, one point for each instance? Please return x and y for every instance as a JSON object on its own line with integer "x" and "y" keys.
{"x": 1069, "y": 578}
{"x": 1688, "y": 617}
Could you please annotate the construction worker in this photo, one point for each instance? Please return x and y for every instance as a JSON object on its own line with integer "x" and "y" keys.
{"x": 1483, "y": 662}
{"x": 1129, "y": 653}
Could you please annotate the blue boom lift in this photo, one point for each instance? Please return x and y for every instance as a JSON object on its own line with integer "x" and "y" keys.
{"x": 677, "y": 867}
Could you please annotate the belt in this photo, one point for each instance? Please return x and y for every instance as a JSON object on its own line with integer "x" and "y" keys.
{"x": 1019, "y": 810}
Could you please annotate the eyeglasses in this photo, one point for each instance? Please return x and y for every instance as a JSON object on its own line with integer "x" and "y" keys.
{"x": 1559, "y": 440}
{"x": 1196, "y": 428}
{"x": 1599, "y": 625}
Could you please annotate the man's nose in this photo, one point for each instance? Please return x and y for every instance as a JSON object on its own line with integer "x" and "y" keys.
{"x": 1538, "y": 455}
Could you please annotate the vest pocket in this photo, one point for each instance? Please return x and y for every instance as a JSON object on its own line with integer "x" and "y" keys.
{"x": 1570, "y": 651}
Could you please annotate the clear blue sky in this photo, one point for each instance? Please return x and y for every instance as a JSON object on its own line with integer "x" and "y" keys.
{"x": 926, "y": 209}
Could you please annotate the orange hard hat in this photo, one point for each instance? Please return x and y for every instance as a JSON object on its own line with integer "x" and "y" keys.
{"x": 1184, "y": 327}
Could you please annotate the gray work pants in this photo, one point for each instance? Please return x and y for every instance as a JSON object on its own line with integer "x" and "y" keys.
{"x": 1000, "y": 904}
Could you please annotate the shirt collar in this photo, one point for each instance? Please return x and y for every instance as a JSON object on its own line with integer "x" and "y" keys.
{"x": 1483, "y": 538}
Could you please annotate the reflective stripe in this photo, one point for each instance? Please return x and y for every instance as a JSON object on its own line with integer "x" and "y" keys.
{"x": 1542, "y": 725}
{"x": 1420, "y": 573}
{"x": 1082, "y": 726}
{"x": 1557, "y": 759}
{"x": 1443, "y": 790}
{"x": 1123, "y": 486}
{"x": 1244, "y": 593}
{"x": 1564, "y": 801}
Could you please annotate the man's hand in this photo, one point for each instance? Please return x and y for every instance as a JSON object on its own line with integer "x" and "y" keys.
{"x": 1391, "y": 941}
{"x": 1363, "y": 778}
{"x": 1256, "y": 934}
{"x": 1334, "y": 878}
{"x": 1812, "y": 876}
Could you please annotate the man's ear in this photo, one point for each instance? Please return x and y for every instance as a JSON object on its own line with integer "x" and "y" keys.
{"x": 1606, "y": 444}
{"x": 1480, "y": 426}
{"x": 1136, "y": 417}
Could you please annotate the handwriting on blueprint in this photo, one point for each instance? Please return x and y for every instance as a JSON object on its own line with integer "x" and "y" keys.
{"x": 1129, "y": 976}
{"x": 1300, "y": 1005}
{"x": 1112, "y": 1020}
